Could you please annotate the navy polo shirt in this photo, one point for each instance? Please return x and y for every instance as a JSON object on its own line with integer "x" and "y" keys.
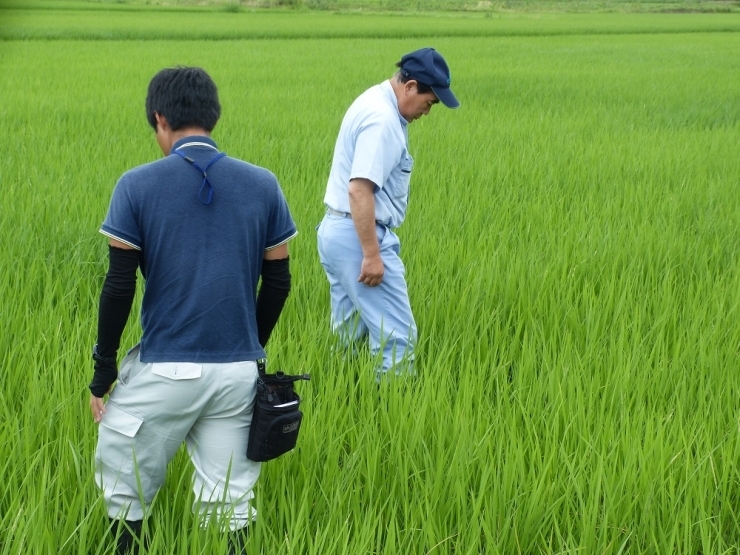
{"x": 201, "y": 262}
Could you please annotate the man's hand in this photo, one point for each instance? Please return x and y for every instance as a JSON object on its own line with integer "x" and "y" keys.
{"x": 371, "y": 271}
{"x": 97, "y": 407}
{"x": 104, "y": 376}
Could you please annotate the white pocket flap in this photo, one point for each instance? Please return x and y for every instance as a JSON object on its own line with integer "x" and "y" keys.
{"x": 118, "y": 420}
{"x": 177, "y": 370}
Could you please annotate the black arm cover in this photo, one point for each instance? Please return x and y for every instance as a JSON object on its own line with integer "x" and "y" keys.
{"x": 116, "y": 298}
{"x": 273, "y": 292}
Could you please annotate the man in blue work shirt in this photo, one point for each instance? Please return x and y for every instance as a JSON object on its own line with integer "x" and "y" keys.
{"x": 203, "y": 228}
{"x": 366, "y": 198}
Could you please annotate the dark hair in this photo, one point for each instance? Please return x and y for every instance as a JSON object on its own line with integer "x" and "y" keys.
{"x": 186, "y": 96}
{"x": 404, "y": 77}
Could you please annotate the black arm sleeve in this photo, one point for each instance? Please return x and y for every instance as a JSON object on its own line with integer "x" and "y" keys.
{"x": 273, "y": 292}
{"x": 116, "y": 299}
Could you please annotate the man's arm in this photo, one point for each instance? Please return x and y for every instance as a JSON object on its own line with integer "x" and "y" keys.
{"x": 116, "y": 299}
{"x": 274, "y": 290}
{"x": 362, "y": 207}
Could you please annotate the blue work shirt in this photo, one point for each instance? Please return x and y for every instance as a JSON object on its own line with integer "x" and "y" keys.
{"x": 373, "y": 144}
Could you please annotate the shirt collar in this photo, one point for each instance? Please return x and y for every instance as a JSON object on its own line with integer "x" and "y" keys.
{"x": 387, "y": 88}
{"x": 195, "y": 140}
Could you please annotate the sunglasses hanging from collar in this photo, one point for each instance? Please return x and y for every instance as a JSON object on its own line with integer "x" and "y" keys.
{"x": 205, "y": 185}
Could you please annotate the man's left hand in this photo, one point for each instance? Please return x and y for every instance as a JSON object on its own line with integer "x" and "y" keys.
{"x": 97, "y": 406}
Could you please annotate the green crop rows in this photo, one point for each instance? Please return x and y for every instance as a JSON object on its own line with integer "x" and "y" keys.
{"x": 572, "y": 250}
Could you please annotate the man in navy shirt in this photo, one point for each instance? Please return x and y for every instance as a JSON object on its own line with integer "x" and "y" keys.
{"x": 203, "y": 228}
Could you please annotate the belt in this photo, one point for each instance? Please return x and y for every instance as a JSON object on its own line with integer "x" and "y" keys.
{"x": 338, "y": 213}
{"x": 348, "y": 215}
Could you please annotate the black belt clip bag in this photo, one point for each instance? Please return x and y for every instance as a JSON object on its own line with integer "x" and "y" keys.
{"x": 277, "y": 417}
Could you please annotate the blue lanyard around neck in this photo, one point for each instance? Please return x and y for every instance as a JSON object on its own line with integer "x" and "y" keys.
{"x": 209, "y": 188}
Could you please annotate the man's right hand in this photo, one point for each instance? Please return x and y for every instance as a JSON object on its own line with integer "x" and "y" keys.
{"x": 371, "y": 271}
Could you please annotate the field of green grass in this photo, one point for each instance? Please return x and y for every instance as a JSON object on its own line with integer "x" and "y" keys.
{"x": 572, "y": 251}
{"x": 480, "y": 6}
{"x": 95, "y": 21}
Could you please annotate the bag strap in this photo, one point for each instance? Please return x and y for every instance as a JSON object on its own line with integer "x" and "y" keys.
{"x": 209, "y": 190}
{"x": 279, "y": 376}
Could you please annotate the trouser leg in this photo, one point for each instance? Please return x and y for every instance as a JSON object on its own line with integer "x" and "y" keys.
{"x": 384, "y": 310}
{"x": 224, "y": 478}
{"x": 146, "y": 420}
{"x": 387, "y": 311}
{"x": 346, "y": 322}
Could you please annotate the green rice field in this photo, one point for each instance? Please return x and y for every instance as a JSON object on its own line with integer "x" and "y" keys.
{"x": 572, "y": 250}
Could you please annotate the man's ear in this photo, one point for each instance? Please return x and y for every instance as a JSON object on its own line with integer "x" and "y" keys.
{"x": 409, "y": 86}
{"x": 161, "y": 121}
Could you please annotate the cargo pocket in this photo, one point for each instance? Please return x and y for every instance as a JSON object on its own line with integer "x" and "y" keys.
{"x": 116, "y": 443}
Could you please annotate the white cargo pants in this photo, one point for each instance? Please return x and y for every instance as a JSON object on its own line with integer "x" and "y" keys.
{"x": 152, "y": 410}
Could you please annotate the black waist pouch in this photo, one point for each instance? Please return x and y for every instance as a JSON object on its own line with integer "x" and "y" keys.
{"x": 277, "y": 417}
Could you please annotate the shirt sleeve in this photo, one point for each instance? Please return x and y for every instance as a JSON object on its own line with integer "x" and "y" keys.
{"x": 121, "y": 221}
{"x": 281, "y": 227}
{"x": 376, "y": 152}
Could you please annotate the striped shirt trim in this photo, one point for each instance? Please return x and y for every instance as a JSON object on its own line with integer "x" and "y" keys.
{"x": 197, "y": 144}
{"x": 110, "y": 235}
{"x": 281, "y": 242}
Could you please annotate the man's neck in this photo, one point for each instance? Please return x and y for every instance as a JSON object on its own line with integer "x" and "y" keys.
{"x": 171, "y": 137}
{"x": 189, "y": 132}
{"x": 397, "y": 87}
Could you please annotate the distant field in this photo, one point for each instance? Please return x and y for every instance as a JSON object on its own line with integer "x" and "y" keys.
{"x": 96, "y": 21}
{"x": 572, "y": 249}
{"x": 481, "y": 6}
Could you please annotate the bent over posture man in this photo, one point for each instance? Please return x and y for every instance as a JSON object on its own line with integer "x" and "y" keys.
{"x": 202, "y": 227}
{"x": 366, "y": 198}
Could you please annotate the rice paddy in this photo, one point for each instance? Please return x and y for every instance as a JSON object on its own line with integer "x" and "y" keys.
{"x": 572, "y": 252}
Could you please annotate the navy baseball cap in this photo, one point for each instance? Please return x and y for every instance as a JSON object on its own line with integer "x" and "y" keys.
{"x": 427, "y": 66}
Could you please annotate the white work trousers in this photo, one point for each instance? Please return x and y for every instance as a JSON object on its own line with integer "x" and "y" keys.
{"x": 152, "y": 410}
